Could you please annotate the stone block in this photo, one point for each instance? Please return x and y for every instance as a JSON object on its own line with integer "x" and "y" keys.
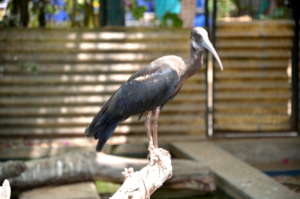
{"x": 73, "y": 191}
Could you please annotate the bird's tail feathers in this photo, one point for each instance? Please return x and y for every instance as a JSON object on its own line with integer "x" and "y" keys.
{"x": 100, "y": 121}
{"x": 88, "y": 132}
{"x": 101, "y": 128}
{"x": 105, "y": 134}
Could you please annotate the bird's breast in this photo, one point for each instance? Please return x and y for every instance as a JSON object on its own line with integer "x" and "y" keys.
{"x": 172, "y": 61}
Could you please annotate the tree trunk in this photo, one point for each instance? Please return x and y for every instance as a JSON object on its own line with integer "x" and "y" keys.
{"x": 73, "y": 14}
{"x": 188, "y": 12}
{"x": 89, "y": 166}
{"x": 11, "y": 169}
{"x": 24, "y": 12}
{"x": 112, "y": 13}
{"x": 42, "y": 14}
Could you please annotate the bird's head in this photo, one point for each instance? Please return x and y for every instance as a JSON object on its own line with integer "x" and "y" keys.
{"x": 200, "y": 42}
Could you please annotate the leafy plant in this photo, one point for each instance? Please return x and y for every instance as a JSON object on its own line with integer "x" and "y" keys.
{"x": 171, "y": 20}
{"x": 51, "y": 9}
{"x": 136, "y": 11}
{"x": 225, "y": 8}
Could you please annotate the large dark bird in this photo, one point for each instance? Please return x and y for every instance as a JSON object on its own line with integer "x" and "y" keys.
{"x": 149, "y": 89}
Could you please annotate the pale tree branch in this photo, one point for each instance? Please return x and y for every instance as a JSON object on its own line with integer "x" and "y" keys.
{"x": 141, "y": 184}
{"x": 90, "y": 166}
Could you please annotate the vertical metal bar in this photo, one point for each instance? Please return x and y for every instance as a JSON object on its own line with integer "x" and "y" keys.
{"x": 206, "y": 13}
{"x": 210, "y": 25}
{"x": 214, "y": 20}
{"x": 207, "y": 128}
{"x": 213, "y": 37}
{"x": 295, "y": 71}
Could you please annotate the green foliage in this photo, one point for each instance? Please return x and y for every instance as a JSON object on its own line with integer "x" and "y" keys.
{"x": 278, "y": 13}
{"x": 136, "y": 11}
{"x": 106, "y": 187}
{"x": 171, "y": 20}
{"x": 225, "y": 8}
{"x": 257, "y": 10}
{"x": 51, "y": 9}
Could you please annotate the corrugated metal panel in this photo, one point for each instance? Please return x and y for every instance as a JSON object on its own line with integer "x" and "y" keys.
{"x": 253, "y": 93}
{"x": 54, "y": 81}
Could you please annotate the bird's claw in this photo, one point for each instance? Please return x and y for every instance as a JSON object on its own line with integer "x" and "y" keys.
{"x": 154, "y": 156}
{"x": 128, "y": 172}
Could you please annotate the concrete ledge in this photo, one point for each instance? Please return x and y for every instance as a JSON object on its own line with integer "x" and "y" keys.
{"x": 234, "y": 176}
{"x": 72, "y": 191}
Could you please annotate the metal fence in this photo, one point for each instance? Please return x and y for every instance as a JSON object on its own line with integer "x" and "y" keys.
{"x": 54, "y": 81}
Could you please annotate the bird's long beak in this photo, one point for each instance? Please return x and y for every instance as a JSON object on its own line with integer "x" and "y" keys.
{"x": 207, "y": 44}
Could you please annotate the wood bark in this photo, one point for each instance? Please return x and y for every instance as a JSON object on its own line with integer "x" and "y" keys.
{"x": 142, "y": 184}
{"x": 89, "y": 166}
{"x": 11, "y": 169}
{"x": 188, "y": 12}
{"x": 5, "y": 190}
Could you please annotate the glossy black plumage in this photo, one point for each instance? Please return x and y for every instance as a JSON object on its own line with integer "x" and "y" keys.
{"x": 148, "y": 88}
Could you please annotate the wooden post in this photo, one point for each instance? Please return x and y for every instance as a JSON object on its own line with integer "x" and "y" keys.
{"x": 188, "y": 11}
{"x": 112, "y": 13}
{"x": 295, "y": 67}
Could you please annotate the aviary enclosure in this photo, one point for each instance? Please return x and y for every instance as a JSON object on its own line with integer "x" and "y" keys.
{"x": 233, "y": 131}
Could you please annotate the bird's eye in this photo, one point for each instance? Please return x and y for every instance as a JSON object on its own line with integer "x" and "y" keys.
{"x": 196, "y": 37}
{"x": 199, "y": 38}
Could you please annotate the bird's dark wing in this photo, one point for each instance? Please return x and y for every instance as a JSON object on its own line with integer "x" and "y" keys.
{"x": 144, "y": 91}
{"x": 144, "y": 72}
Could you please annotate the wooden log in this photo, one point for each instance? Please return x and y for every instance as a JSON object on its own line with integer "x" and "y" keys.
{"x": 142, "y": 184}
{"x": 89, "y": 166}
{"x": 5, "y": 190}
{"x": 11, "y": 169}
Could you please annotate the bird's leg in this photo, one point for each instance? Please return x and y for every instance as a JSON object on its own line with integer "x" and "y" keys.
{"x": 148, "y": 124}
{"x": 156, "y": 113}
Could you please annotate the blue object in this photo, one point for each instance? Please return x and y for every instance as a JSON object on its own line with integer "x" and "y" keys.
{"x": 200, "y": 13}
{"x": 163, "y": 7}
{"x": 286, "y": 173}
{"x": 61, "y": 15}
{"x": 200, "y": 3}
{"x": 199, "y": 20}
{"x": 149, "y": 4}
{"x": 59, "y": 3}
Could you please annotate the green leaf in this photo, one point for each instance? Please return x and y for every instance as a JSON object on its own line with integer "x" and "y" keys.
{"x": 106, "y": 187}
{"x": 171, "y": 20}
{"x": 138, "y": 12}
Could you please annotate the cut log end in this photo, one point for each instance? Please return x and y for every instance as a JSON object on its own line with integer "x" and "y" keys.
{"x": 5, "y": 190}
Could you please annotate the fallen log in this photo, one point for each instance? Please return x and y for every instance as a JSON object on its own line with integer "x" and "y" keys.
{"x": 5, "y": 190}
{"x": 89, "y": 166}
{"x": 11, "y": 169}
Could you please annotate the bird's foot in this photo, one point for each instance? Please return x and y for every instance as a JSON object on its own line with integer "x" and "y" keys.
{"x": 154, "y": 155}
{"x": 128, "y": 172}
{"x": 151, "y": 146}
